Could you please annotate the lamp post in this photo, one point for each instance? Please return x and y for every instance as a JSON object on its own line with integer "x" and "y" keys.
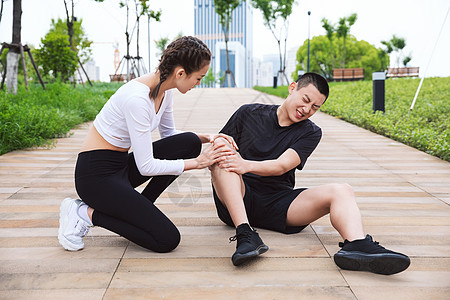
{"x": 148, "y": 41}
{"x": 309, "y": 18}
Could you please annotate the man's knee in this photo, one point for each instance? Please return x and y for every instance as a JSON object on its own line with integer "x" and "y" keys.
{"x": 342, "y": 188}
{"x": 221, "y": 141}
{"x": 340, "y": 191}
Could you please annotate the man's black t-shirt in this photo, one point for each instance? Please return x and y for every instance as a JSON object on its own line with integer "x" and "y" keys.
{"x": 259, "y": 136}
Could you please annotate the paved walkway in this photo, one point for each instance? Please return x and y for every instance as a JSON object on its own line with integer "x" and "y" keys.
{"x": 403, "y": 194}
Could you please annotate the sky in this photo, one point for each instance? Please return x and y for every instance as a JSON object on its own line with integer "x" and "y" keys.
{"x": 417, "y": 21}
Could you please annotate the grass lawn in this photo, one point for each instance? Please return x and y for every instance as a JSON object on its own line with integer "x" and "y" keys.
{"x": 426, "y": 127}
{"x": 33, "y": 118}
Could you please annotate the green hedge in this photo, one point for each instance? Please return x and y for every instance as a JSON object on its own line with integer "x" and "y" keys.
{"x": 426, "y": 127}
{"x": 31, "y": 118}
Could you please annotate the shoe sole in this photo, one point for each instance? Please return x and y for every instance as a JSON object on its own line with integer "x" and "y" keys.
{"x": 239, "y": 259}
{"x": 63, "y": 220}
{"x": 383, "y": 263}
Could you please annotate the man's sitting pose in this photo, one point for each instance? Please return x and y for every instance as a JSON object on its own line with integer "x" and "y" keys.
{"x": 254, "y": 187}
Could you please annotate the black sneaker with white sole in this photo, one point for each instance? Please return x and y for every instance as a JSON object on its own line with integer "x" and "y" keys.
{"x": 249, "y": 244}
{"x": 368, "y": 255}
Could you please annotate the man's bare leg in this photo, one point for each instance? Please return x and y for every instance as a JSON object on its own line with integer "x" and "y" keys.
{"x": 230, "y": 189}
{"x": 336, "y": 199}
{"x": 358, "y": 253}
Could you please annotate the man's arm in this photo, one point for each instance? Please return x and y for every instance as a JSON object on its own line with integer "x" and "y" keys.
{"x": 274, "y": 167}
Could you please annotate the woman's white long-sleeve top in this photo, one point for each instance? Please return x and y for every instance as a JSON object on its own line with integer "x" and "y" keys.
{"x": 128, "y": 119}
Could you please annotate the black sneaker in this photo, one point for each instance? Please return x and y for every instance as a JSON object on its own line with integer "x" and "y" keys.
{"x": 249, "y": 244}
{"x": 367, "y": 255}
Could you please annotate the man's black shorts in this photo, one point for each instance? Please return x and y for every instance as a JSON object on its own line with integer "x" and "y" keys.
{"x": 264, "y": 210}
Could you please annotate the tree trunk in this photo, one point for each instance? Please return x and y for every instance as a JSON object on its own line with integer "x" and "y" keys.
{"x": 343, "y": 55}
{"x": 1, "y": 10}
{"x": 128, "y": 45}
{"x": 70, "y": 24}
{"x": 284, "y": 60}
{"x": 12, "y": 59}
{"x": 138, "y": 58}
{"x": 11, "y": 71}
{"x": 228, "y": 73}
{"x": 280, "y": 70}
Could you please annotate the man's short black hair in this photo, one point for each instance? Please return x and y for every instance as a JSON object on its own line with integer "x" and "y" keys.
{"x": 318, "y": 81}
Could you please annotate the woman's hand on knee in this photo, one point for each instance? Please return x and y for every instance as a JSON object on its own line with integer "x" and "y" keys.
{"x": 213, "y": 154}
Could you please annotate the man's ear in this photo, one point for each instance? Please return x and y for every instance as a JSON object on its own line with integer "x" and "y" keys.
{"x": 292, "y": 87}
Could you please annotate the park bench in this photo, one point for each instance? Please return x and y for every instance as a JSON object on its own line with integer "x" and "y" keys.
{"x": 403, "y": 72}
{"x": 348, "y": 74}
{"x": 120, "y": 77}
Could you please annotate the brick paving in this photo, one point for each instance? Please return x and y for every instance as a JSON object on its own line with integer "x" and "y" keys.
{"x": 403, "y": 194}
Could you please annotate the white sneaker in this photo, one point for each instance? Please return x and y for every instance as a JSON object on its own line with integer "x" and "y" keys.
{"x": 72, "y": 228}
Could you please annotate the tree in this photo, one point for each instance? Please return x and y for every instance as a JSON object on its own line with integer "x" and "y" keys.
{"x": 161, "y": 45}
{"x": 329, "y": 28}
{"x": 396, "y": 45}
{"x": 28, "y": 64}
{"x": 210, "y": 79}
{"x": 56, "y": 58}
{"x": 359, "y": 54}
{"x": 224, "y": 8}
{"x": 79, "y": 41}
{"x": 70, "y": 21}
{"x": 343, "y": 29}
{"x": 141, "y": 8}
{"x": 277, "y": 11}
{"x": 12, "y": 59}
{"x": 340, "y": 30}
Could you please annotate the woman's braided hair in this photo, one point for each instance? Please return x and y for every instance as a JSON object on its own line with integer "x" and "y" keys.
{"x": 188, "y": 52}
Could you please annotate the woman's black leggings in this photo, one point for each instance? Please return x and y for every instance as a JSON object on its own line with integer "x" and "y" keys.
{"x": 105, "y": 180}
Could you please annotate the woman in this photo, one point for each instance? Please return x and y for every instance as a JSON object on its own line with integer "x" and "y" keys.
{"x": 106, "y": 174}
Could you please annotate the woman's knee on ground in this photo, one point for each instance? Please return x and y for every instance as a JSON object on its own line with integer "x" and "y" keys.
{"x": 166, "y": 240}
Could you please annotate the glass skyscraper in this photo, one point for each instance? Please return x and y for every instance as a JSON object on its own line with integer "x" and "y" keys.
{"x": 240, "y": 40}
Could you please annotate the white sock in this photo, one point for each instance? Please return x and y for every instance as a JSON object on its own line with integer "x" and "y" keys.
{"x": 82, "y": 212}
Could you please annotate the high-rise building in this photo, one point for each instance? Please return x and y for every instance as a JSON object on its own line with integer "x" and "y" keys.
{"x": 240, "y": 40}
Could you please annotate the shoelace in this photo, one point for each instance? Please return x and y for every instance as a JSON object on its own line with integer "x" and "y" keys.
{"x": 84, "y": 230}
{"x": 245, "y": 234}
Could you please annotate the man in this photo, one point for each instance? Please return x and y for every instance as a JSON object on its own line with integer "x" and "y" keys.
{"x": 254, "y": 187}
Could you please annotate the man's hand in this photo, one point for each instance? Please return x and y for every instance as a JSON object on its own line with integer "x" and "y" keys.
{"x": 235, "y": 163}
